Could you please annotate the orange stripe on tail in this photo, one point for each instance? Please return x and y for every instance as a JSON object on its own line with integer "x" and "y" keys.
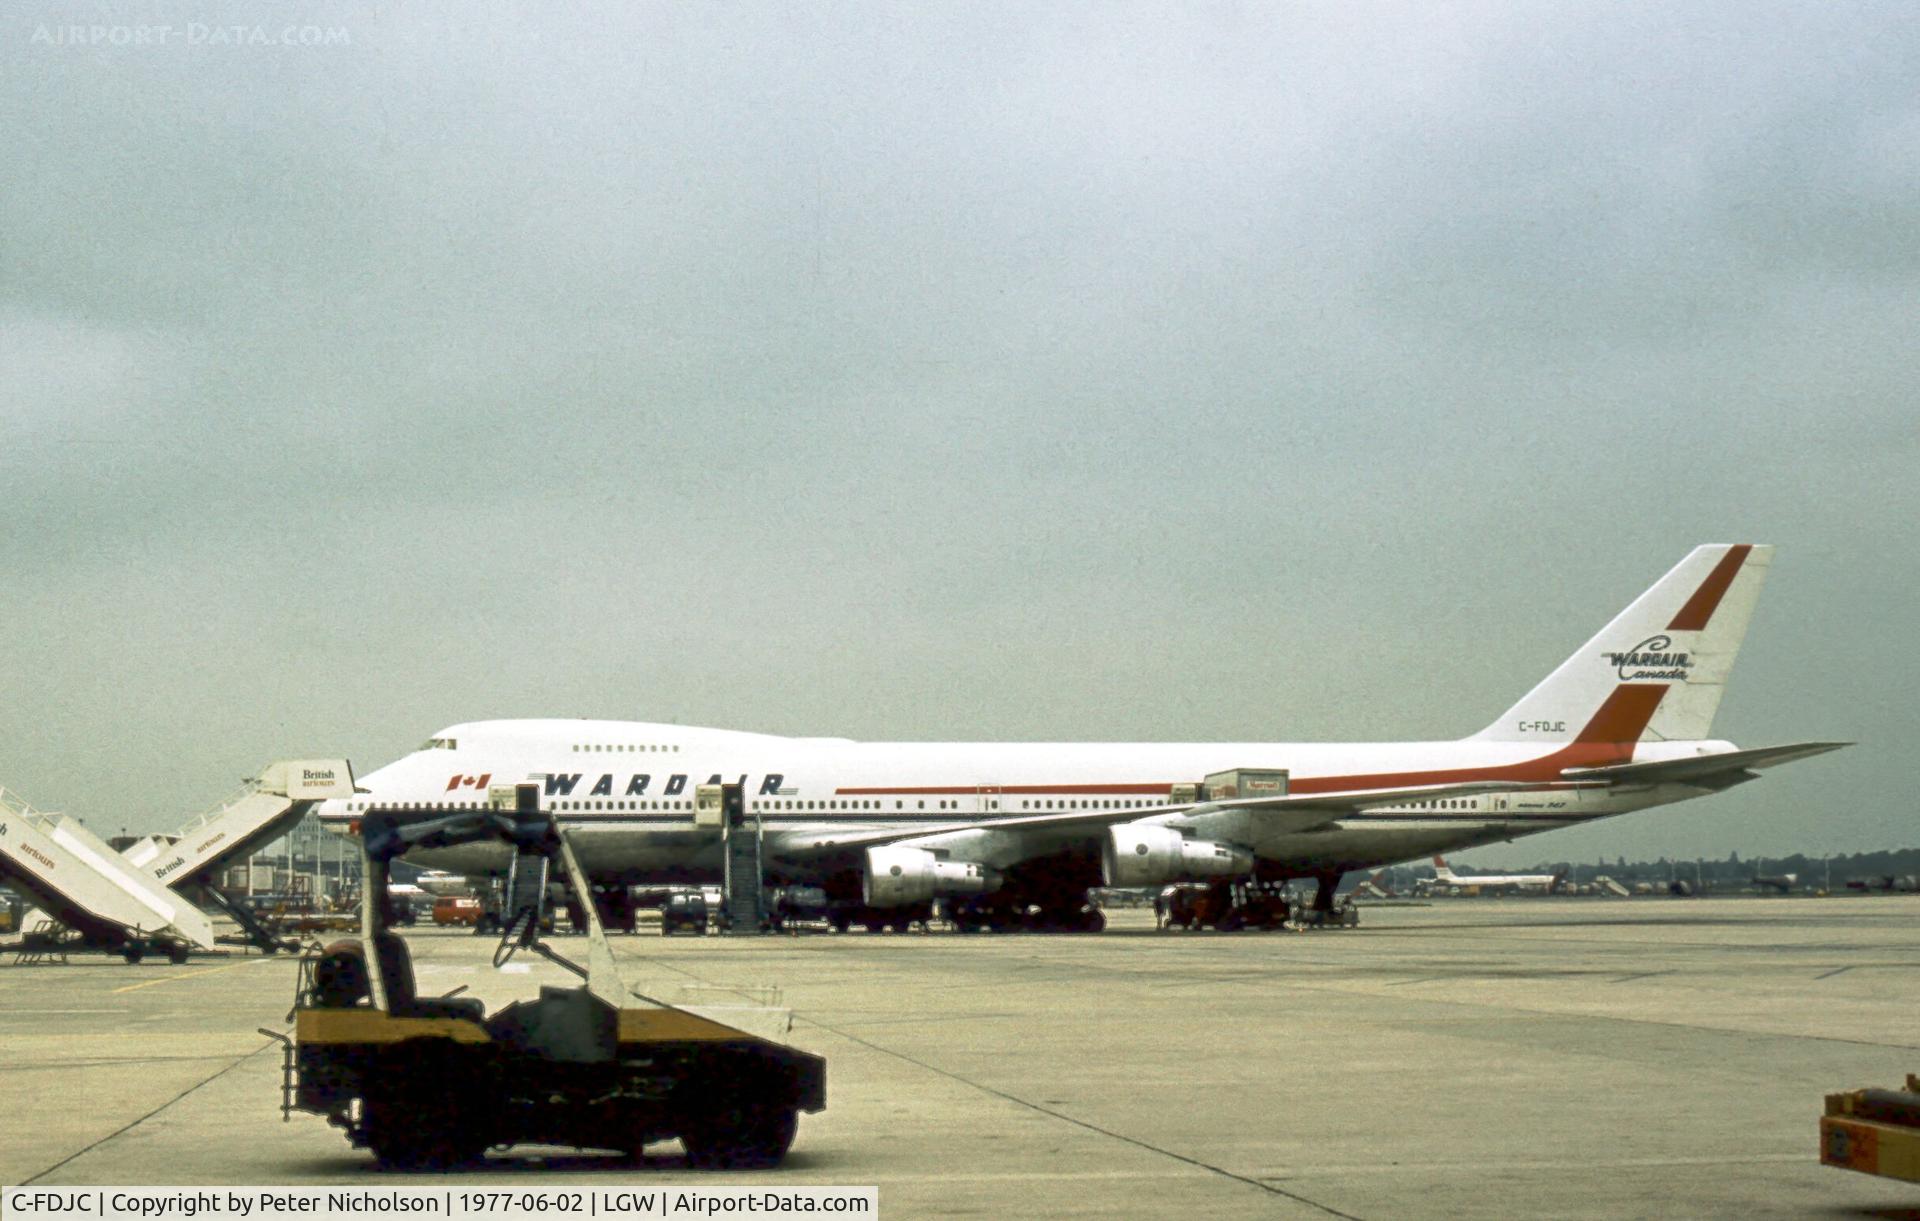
{"x": 1624, "y": 717}
{"x": 1699, "y": 608}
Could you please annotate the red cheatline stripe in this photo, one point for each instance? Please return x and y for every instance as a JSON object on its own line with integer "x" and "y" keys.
{"x": 1608, "y": 737}
{"x": 1699, "y": 608}
{"x": 1025, "y": 790}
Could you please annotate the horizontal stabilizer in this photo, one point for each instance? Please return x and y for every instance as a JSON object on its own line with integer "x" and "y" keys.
{"x": 1702, "y": 768}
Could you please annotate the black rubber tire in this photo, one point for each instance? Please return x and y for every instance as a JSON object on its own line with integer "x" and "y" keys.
{"x": 133, "y": 953}
{"x": 1061, "y": 921}
{"x": 403, "y": 1137}
{"x": 176, "y": 953}
{"x": 394, "y": 1142}
{"x": 424, "y": 1110}
{"x": 749, "y": 1140}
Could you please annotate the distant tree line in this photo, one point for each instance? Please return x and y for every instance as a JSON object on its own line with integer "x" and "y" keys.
{"x": 1730, "y": 870}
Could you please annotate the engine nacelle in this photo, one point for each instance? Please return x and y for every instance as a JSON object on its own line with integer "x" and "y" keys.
{"x": 1149, "y": 854}
{"x": 897, "y": 877}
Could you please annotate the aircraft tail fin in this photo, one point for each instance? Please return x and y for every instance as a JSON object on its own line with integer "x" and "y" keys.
{"x": 1377, "y": 882}
{"x": 1657, "y": 671}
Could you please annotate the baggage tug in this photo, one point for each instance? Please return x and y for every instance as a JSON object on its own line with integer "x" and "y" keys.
{"x": 433, "y": 1082}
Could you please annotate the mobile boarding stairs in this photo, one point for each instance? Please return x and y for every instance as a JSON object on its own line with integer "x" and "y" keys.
{"x": 145, "y": 900}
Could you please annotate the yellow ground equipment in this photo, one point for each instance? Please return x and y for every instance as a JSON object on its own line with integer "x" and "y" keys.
{"x": 1874, "y": 1131}
{"x": 426, "y": 1081}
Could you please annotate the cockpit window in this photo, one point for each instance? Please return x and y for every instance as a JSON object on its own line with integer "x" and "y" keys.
{"x": 439, "y": 744}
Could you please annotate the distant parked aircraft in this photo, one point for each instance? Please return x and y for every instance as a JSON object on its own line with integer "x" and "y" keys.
{"x": 1506, "y": 883}
{"x": 440, "y": 882}
{"x": 1375, "y": 886}
{"x": 1885, "y": 881}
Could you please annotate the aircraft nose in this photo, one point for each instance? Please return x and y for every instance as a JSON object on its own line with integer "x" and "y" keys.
{"x": 377, "y": 783}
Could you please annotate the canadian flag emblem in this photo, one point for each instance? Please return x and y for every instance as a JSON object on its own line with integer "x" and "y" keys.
{"x": 469, "y": 782}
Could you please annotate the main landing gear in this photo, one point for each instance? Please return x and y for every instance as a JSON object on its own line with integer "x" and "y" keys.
{"x": 996, "y": 914}
{"x": 1227, "y": 906}
{"x": 880, "y": 919}
{"x": 1231, "y": 906}
{"x": 1326, "y": 913}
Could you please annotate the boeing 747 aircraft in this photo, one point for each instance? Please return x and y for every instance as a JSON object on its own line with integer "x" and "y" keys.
{"x": 1013, "y": 834}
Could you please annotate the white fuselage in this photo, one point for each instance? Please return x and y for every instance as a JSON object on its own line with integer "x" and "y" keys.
{"x": 1497, "y": 881}
{"x": 627, "y": 788}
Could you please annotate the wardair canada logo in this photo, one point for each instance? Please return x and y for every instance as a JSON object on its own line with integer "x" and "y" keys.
{"x": 1652, "y": 658}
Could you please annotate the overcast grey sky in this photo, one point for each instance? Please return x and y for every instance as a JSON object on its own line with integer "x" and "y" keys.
{"x": 948, "y": 371}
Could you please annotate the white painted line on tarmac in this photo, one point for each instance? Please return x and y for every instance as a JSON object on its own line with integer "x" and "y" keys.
{"x": 167, "y": 979}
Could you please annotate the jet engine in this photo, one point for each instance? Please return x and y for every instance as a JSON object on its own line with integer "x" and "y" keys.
{"x": 897, "y": 877}
{"x": 1150, "y": 854}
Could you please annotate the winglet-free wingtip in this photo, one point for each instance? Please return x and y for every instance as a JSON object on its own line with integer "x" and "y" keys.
{"x": 1797, "y": 751}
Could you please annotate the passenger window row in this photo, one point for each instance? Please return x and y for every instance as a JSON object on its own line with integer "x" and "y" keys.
{"x": 825, "y": 807}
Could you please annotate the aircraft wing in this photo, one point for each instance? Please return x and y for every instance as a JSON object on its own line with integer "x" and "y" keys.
{"x": 1047, "y": 832}
{"x": 1709, "y": 771}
